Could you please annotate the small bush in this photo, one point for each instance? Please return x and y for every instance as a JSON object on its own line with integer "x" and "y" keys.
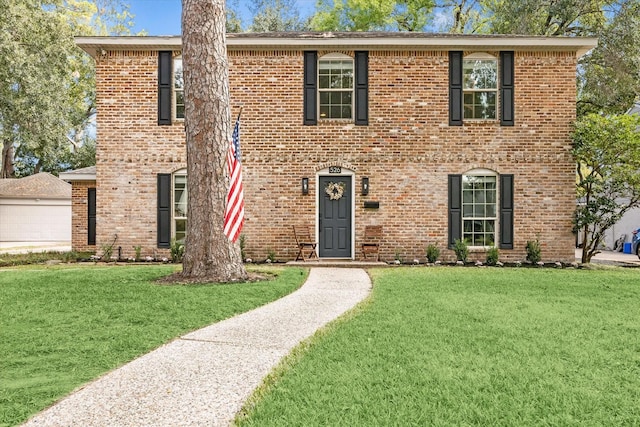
{"x": 399, "y": 257}
{"x": 138, "y": 250}
{"x": 433, "y": 253}
{"x": 243, "y": 243}
{"x": 107, "y": 251}
{"x": 271, "y": 255}
{"x": 177, "y": 251}
{"x": 493, "y": 255}
{"x": 461, "y": 249}
{"x": 534, "y": 251}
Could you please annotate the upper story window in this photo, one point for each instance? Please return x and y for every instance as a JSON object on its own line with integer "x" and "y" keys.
{"x": 479, "y": 208}
{"x": 335, "y": 86}
{"x": 480, "y": 86}
{"x": 178, "y": 88}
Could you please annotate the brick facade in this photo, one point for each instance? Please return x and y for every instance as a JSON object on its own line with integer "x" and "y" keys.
{"x": 407, "y": 150}
{"x": 80, "y": 216}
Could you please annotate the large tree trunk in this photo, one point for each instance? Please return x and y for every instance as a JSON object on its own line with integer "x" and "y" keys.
{"x": 7, "y": 160}
{"x": 209, "y": 255}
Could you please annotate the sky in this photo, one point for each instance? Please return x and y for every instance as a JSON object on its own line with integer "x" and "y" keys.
{"x": 162, "y": 17}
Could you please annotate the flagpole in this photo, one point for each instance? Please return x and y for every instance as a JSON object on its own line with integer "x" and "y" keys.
{"x": 238, "y": 119}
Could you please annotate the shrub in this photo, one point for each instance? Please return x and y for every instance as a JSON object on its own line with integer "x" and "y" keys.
{"x": 107, "y": 251}
{"x": 271, "y": 255}
{"x": 534, "y": 252}
{"x": 138, "y": 250}
{"x": 461, "y": 249}
{"x": 177, "y": 251}
{"x": 493, "y": 255}
{"x": 433, "y": 253}
{"x": 243, "y": 242}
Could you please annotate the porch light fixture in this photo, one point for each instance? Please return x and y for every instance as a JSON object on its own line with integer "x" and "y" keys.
{"x": 365, "y": 185}
{"x": 305, "y": 185}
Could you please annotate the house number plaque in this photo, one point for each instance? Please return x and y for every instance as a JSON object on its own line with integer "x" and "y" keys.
{"x": 335, "y": 169}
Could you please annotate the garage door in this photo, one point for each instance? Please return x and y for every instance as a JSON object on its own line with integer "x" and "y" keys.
{"x": 24, "y": 222}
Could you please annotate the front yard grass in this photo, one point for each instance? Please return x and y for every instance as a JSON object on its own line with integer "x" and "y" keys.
{"x": 63, "y": 326}
{"x": 469, "y": 346}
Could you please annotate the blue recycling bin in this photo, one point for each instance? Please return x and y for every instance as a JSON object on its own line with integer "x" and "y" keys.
{"x": 627, "y": 248}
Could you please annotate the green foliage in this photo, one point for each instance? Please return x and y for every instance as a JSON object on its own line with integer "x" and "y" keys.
{"x": 30, "y": 258}
{"x": 48, "y": 89}
{"x": 534, "y": 251}
{"x": 608, "y": 75}
{"x": 451, "y": 347}
{"x": 364, "y": 15}
{"x": 398, "y": 255}
{"x": 271, "y": 255}
{"x": 138, "y": 251}
{"x": 243, "y": 245}
{"x": 63, "y": 327}
{"x": 433, "y": 253}
{"x": 461, "y": 250}
{"x": 107, "y": 251}
{"x": 177, "y": 251}
{"x": 493, "y": 256}
{"x": 607, "y": 153}
{"x": 276, "y": 16}
{"x": 549, "y": 18}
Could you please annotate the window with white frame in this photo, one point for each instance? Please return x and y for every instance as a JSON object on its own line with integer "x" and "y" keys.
{"x": 180, "y": 194}
{"x": 480, "y": 86}
{"x": 178, "y": 88}
{"x": 479, "y": 208}
{"x": 335, "y": 86}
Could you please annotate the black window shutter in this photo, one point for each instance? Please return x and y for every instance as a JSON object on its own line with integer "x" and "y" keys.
{"x": 506, "y": 89}
{"x": 164, "y": 210}
{"x": 455, "y": 88}
{"x": 91, "y": 216}
{"x": 165, "y": 66}
{"x": 455, "y": 208}
{"x": 310, "y": 88}
{"x": 506, "y": 211}
{"x": 362, "y": 88}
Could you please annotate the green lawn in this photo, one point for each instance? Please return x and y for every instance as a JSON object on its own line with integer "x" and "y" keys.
{"x": 470, "y": 346}
{"x": 61, "y": 327}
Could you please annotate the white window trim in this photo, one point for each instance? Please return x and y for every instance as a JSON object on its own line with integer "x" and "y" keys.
{"x": 496, "y": 228}
{"x": 179, "y": 172}
{"x": 483, "y": 56}
{"x": 340, "y": 57}
{"x": 174, "y": 99}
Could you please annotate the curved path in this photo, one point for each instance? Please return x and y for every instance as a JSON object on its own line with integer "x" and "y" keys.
{"x": 204, "y": 377}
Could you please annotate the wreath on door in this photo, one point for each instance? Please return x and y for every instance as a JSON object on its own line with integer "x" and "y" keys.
{"x": 335, "y": 190}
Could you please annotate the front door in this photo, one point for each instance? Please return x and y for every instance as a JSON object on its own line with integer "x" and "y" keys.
{"x": 334, "y": 221}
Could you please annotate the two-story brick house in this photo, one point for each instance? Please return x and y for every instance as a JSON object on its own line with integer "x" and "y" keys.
{"x": 434, "y": 137}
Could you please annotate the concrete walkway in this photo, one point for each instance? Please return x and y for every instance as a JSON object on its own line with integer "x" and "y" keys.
{"x": 204, "y": 377}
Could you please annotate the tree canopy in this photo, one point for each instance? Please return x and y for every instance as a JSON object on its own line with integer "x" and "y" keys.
{"x": 607, "y": 152}
{"x": 47, "y": 85}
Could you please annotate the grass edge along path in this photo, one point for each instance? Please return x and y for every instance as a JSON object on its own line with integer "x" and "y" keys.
{"x": 448, "y": 346}
{"x": 65, "y": 326}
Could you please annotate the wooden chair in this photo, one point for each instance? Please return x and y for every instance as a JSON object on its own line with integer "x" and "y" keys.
{"x": 371, "y": 241}
{"x": 304, "y": 241}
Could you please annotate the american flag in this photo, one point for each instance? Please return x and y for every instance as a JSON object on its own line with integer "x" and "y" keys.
{"x": 234, "y": 212}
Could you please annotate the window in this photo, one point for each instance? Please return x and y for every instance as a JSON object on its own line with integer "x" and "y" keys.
{"x": 335, "y": 86}
{"x": 479, "y": 209}
{"x": 480, "y": 86}
{"x": 180, "y": 194}
{"x": 178, "y": 88}
{"x": 476, "y": 201}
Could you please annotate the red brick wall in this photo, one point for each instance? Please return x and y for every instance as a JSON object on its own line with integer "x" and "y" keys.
{"x": 80, "y": 216}
{"x": 407, "y": 150}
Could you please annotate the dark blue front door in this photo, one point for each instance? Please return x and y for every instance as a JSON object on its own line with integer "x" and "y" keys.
{"x": 335, "y": 216}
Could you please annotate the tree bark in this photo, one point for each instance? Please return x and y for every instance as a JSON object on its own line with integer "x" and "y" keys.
{"x": 7, "y": 161}
{"x": 209, "y": 255}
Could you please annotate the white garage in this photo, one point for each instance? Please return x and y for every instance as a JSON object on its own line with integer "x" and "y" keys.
{"x": 36, "y": 208}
